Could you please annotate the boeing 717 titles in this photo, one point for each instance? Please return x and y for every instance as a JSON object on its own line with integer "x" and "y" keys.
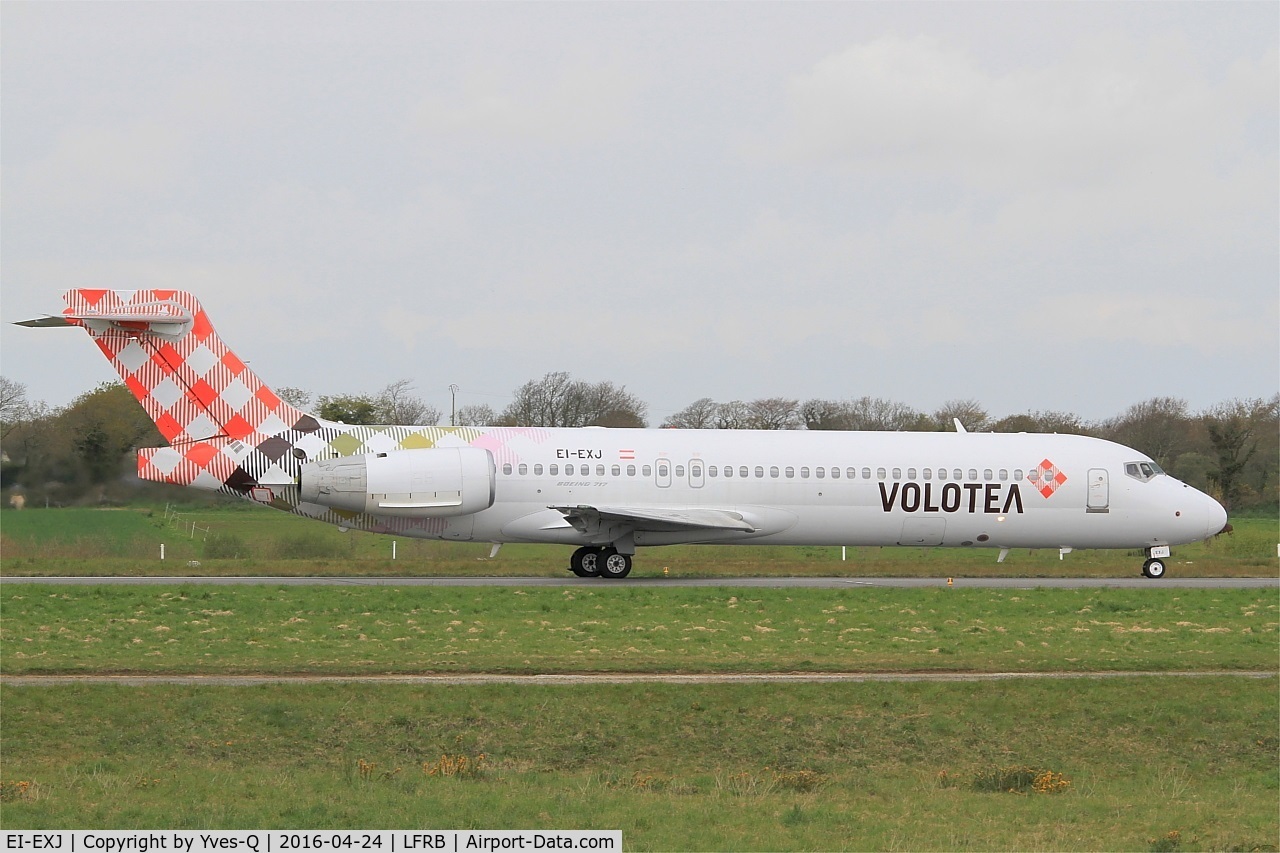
{"x": 611, "y": 491}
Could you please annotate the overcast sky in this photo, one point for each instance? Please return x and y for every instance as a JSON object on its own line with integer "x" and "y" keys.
{"x": 1039, "y": 206}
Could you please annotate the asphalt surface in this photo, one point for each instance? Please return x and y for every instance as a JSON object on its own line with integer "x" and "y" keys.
{"x": 653, "y": 583}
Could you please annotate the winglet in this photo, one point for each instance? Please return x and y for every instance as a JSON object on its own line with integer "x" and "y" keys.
{"x": 959, "y": 426}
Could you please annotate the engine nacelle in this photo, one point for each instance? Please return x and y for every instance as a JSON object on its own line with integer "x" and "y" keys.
{"x": 430, "y": 482}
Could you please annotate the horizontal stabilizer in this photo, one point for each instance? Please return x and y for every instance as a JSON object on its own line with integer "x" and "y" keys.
{"x": 46, "y": 322}
{"x": 164, "y": 318}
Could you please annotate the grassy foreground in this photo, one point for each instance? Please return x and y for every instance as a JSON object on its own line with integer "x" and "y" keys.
{"x": 1137, "y": 764}
{"x": 241, "y": 539}
{"x": 264, "y": 629}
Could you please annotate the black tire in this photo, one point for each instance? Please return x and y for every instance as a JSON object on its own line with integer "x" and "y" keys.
{"x": 585, "y": 562}
{"x": 614, "y": 565}
{"x": 1153, "y": 568}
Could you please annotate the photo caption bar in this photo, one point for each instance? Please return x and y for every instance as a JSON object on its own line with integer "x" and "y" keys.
{"x": 326, "y": 841}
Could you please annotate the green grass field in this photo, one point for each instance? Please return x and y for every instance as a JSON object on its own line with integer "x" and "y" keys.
{"x": 1152, "y": 763}
{"x": 265, "y": 629}
{"x": 1160, "y": 763}
{"x": 241, "y": 539}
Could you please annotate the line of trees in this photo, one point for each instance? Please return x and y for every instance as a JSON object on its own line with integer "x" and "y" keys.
{"x": 82, "y": 453}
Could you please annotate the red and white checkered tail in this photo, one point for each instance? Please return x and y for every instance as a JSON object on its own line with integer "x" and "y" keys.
{"x": 168, "y": 354}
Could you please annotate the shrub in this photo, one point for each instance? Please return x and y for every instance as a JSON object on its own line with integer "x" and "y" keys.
{"x": 1020, "y": 780}
{"x": 307, "y": 547}
{"x": 225, "y": 546}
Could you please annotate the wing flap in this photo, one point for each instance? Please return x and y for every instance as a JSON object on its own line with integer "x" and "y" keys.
{"x": 657, "y": 519}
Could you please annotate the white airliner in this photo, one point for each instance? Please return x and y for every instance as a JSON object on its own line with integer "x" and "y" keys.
{"x": 611, "y": 491}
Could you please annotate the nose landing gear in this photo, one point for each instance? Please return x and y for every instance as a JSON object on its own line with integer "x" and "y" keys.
{"x": 1154, "y": 566}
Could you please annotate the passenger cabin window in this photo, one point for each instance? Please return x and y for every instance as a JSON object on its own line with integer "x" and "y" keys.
{"x": 679, "y": 470}
{"x": 631, "y": 470}
{"x": 711, "y": 471}
{"x": 791, "y": 473}
{"x": 973, "y": 474}
{"x": 880, "y": 474}
{"x": 537, "y": 470}
{"x": 835, "y": 473}
{"x": 1004, "y": 474}
{"x": 897, "y": 473}
{"x": 820, "y": 473}
{"x": 852, "y": 473}
{"x": 928, "y": 473}
{"x": 911, "y": 474}
{"x": 646, "y": 471}
{"x": 568, "y": 470}
{"x": 524, "y": 468}
{"x": 866, "y": 474}
{"x": 506, "y": 467}
{"x": 616, "y": 471}
{"x": 554, "y": 471}
{"x": 988, "y": 474}
{"x": 774, "y": 472}
{"x": 728, "y": 470}
{"x": 942, "y": 473}
{"x": 804, "y": 473}
{"x": 743, "y": 472}
{"x": 1017, "y": 474}
{"x": 957, "y": 474}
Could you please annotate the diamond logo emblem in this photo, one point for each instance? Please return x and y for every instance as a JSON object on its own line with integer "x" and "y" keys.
{"x": 1045, "y": 478}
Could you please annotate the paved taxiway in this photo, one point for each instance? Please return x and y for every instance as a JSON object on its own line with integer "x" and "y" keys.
{"x": 650, "y": 583}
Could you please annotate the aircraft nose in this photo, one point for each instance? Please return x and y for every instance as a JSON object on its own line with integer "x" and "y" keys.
{"x": 1215, "y": 517}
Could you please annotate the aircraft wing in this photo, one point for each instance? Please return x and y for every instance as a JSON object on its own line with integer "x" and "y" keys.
{"x": 591, "y": 519}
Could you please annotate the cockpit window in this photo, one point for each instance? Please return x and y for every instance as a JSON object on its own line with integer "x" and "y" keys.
{"x": 1142, "y": 471}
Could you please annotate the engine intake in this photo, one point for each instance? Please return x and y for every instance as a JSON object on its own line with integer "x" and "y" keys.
{"x": 432, "y": 482}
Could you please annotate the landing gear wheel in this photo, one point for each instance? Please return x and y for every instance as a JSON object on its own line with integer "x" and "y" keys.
{"x": 1153, "y": 568}
{"x": 585, "y": 562}
{"x": 614, "y": 565}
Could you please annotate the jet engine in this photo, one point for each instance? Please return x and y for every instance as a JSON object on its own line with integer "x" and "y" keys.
{"x": 432, "y": 482}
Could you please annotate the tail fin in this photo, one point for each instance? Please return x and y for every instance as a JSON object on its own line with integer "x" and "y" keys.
{"x": 168, "y": 354}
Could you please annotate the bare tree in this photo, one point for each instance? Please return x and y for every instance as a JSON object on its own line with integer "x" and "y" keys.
{"x": 773, "y": 413}
{"x": 397, "y": 406}
{"x": 608, "y": 405}
{"x": 700, "y": 414}
{"x": 970, "y": 413}
{"x": 13, "y": 404}
{"x": 296, "y": 397}
{"x": 733, "y": 415}
{"x": 1060, "y": 422}
{"x": 864, "y": 413}
{"x": 558, "y": 400}
{"x": 476, "y": 414}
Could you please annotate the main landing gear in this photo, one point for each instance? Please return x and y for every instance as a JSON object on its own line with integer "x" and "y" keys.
{"x": 590, "y": 561}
